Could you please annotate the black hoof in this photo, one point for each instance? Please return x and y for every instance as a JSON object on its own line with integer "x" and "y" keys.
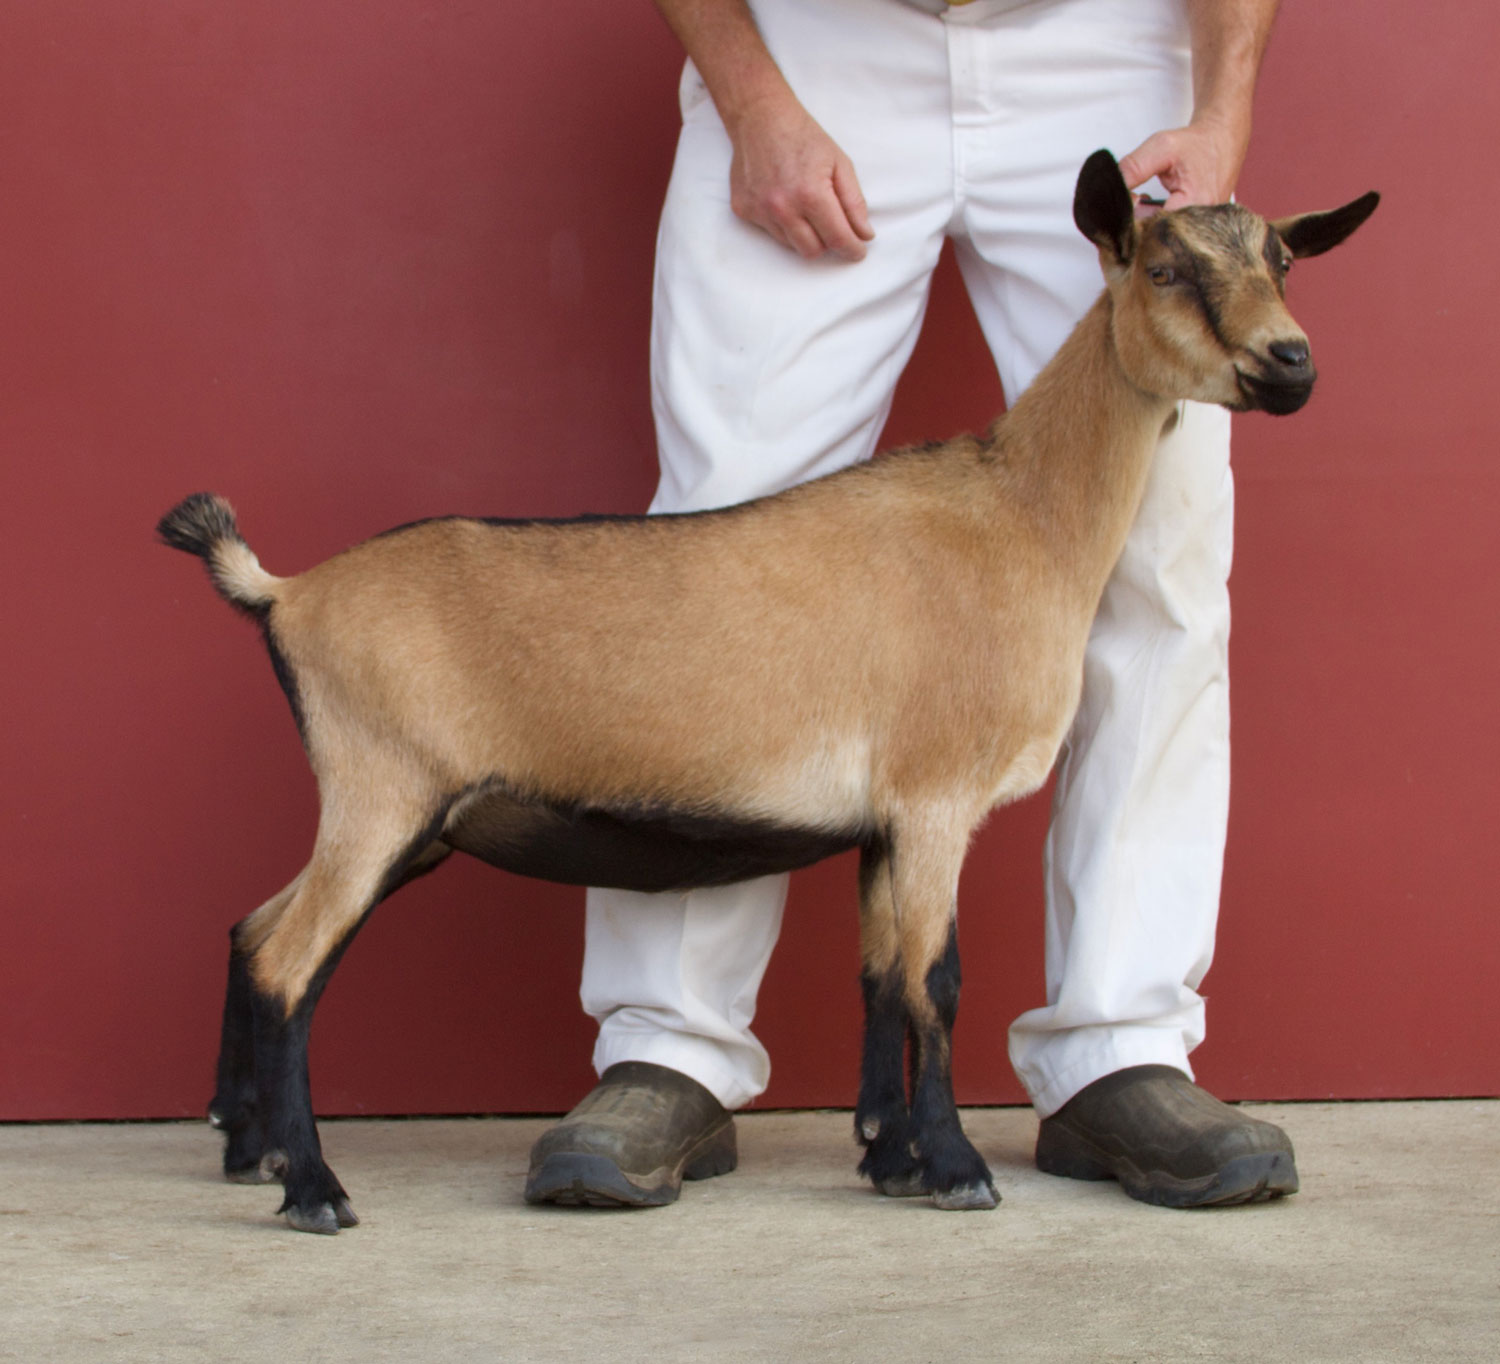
{"x": 243, "y": 1155}
{"x": 977, "y": 1197}
{"x": 249, "y": 1174}
{"x": 907, "y": 1185}
{"x": 324, "y": 1219}
{"x": 891, "y": 1162}
{"x": 893, "y": 1170}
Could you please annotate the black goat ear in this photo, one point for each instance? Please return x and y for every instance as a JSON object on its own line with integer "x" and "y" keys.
{"x": 1311, "y": 234}
{"x": 1103, "y": 208}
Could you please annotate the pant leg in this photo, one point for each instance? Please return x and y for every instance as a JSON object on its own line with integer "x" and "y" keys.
{"x": 768, "y": 370}
{"x": 1134, "y": 854}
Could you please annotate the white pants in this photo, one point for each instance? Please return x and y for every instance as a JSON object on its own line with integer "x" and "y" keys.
{"x": 768, "y": 370}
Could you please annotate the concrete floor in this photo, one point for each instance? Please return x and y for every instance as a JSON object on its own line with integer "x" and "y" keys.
{"x": 120, "y": 1242}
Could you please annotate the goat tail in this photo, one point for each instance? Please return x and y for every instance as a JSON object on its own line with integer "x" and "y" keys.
{"x": 204, "y": 524}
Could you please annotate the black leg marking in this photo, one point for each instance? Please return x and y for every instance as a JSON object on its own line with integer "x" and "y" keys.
{"x": 882, "y": 1123}
{"x": 951, "y": 1168}
{"x": 291, "y": 1151}
{"x": 314, "y": 1199}
{"x": 233, "y": 1110}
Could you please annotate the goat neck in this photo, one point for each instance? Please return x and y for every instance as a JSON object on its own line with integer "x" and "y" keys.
{"x": 1074, "y": 452}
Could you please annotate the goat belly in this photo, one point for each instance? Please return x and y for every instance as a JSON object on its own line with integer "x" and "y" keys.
{"x": 648, "y": 849}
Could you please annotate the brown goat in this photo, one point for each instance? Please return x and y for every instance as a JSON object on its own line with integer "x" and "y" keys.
{"x": 551, "y": 696}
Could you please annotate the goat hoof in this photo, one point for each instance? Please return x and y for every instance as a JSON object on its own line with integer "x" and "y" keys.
{"x": 907, "y": 1185}
{"x": 250, "y": 1174}
{"x": 976, "y": 1197}
{"x": 320, "y": 1219}
{"x": 272, "y": 1167}
{"x": 324, "y": 1219}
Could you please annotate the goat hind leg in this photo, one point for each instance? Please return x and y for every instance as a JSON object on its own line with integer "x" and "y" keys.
{"x": 289, "y": 965}
{"x": 233, "y": 1109}
{"x": 313, "y": 1199}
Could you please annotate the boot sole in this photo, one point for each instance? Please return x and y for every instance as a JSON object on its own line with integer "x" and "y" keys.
{"x": 580, "y": 1179}
{"x": 1252, "y": 1178}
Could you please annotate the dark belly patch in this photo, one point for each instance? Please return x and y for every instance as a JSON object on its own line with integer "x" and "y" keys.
{"x": 646, "y": 850}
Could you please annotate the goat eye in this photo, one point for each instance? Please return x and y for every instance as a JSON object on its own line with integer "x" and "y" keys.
{"x": 1161, "y": 274}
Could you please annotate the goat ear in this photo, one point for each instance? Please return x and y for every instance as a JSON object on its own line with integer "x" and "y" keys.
{"x": 1103, "y": 208}
{"x": 1311, "y": 234}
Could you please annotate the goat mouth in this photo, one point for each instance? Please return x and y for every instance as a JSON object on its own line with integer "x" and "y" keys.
{"x": 1269, "y": 395}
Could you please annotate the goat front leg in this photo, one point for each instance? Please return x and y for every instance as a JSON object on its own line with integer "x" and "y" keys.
{"x": 882, "y": 1120}
{"x": 927, "y": 853}
{"x": 952, "y": 1169}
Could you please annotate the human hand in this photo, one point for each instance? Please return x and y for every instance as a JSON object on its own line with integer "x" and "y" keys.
{"x": 791, "y": 179}
{"x": 1198, "y": 164}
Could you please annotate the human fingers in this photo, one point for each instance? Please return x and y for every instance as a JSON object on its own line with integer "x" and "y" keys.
{"x": 790, "y": 179}
{"x": 1151, "y": 158}
{"x": 851, "y": 197}
{"x": 1197, "y": 164}
{"x": 808, "y": 216}
{"x": 805, "y": 220}
{"x": 839, "y": 231}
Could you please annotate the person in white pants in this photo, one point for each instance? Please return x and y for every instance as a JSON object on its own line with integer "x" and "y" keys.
{"x": 828, "y": 149}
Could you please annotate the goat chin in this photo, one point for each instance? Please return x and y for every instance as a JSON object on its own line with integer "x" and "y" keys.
{"x": 1278, "y": 399}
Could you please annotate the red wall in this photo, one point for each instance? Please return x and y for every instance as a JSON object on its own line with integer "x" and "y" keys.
{"x": 353, "y": 262}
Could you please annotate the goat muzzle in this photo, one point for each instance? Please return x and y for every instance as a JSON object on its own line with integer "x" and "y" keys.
{"x": 1285, "y": 381}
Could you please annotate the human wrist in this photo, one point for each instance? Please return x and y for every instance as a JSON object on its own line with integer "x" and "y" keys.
{"x": 1226, "y": 128}
{"x": 753, "y": 97}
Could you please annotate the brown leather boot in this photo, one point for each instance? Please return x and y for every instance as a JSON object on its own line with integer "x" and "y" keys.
{"x": 631, "y": 1142}
{"x": 1166, "y": 1141}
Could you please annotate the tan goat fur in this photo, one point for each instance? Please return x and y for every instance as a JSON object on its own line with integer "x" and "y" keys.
{"x": 879, "y": 657}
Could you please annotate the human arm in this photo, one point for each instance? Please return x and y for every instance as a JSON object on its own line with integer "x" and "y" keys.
{"x": 1199, "y": 164}
{"x": 787, "y": 176}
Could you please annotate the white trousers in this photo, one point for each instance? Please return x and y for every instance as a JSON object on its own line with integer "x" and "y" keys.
{"x": 768, "y": 370}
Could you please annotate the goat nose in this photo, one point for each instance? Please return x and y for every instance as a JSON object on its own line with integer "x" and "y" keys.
{"x": 1292, "y": 354}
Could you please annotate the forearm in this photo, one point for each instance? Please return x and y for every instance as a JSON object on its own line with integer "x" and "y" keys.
{"x": 1228, "y": 41}
{"x": 726, "y": 47}
{"x": 1200, "y": 163}
{"x": 787, "y": 176}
